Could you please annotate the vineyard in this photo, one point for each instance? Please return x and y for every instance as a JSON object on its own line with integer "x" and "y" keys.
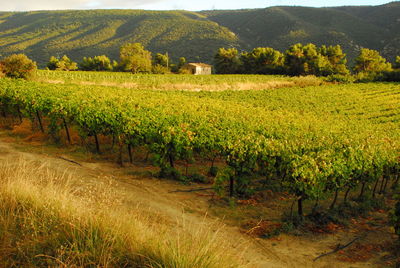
{"x": 316, "y": 141}
{"x": 176, "y": 82}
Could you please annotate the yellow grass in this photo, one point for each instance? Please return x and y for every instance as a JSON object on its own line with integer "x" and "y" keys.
{"x": 47, "y": 219}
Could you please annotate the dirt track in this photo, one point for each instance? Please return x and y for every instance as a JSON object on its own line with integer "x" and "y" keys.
{"x": 154, "y": 194}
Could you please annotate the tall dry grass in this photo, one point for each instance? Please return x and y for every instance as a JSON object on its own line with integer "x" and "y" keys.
{"x": 47, "y": 220}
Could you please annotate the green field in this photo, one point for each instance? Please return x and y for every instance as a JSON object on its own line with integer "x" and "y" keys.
{"x": 173, "y": 81}
{"x": 315, "y": 140}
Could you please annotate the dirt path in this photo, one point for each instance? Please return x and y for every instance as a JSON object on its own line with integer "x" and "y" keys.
{"x": 154, "y": 194}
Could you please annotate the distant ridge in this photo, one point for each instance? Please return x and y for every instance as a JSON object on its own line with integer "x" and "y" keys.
{"x": 197, "y": 35}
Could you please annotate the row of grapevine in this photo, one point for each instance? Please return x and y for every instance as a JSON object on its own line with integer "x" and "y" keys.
{"x": 314, "y": 155}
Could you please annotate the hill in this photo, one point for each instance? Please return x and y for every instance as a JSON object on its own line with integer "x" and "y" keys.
{"x": 197, "y": 35}
{"x": 375, "y": 27}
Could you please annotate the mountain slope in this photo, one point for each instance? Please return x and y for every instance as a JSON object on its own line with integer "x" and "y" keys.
{"x": 197, "y": 35}
{"x": 351, "y": 27}
{"x": 95, "y": 32}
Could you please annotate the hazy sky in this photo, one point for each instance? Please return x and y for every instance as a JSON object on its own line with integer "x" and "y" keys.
{"x": 19, "y": 5}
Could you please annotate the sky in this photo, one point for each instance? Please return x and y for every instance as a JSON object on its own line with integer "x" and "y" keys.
{"x": 195, "y": 5}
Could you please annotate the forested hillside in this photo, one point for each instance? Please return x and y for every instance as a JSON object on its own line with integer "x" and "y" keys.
{"x": 198, "y": 35}
{"x": 375, "y": 27}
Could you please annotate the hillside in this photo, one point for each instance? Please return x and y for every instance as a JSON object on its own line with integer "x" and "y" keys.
{"x": 95, "y": 32}
{"x": 197, "y": 35}
{"x": 375, "y": 27}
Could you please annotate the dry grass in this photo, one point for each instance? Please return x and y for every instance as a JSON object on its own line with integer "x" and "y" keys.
{"x": 302, "y": 81}
{"x": 48, "y": 220}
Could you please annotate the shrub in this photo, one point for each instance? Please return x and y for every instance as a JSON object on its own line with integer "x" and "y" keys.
{"x": 365, "y": 77}
{"x": 197, "y": 178}
{"x": 393, "y": 76}
{"x": 63, "y": 64}
{"x": 160, "y": 69}
{"x": 97, "y": 63}
{"x": 18, "y": 66}
{"x": 340, "y": 78}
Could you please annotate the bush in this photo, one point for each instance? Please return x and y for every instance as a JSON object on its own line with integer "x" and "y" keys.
{"x": 63, "y": 64}
{"x": 97, "y": 63}
{"x": 340, "y": 78}
{"x": 170, "y": 173}
{"x": 159, "y": 69}
{"x": 197, "y": 178}
{"x": 365, "y": 77}
{"x": 393, "y": 76}
{"x": 18, "y": 66}
{"x": 213, "y": 171}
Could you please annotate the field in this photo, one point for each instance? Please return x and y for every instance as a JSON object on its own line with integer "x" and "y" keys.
{"x": 245, "y": 137}
{"x": 175, "y": 82}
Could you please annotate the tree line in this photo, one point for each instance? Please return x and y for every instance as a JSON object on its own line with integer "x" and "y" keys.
{"x": 133, "y": 58}
{"x": 297, "y": 60}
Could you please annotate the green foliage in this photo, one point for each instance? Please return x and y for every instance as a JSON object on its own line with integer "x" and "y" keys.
{"x": 227, "y": 61}
{"x": 63, "y": 64}
{"x": 196, "y": 35}
{"x": 391, "y": 76}
{"x": 18, "y": 66}
{"x": 213, "y": 171}
{"x": 162, "y": 59}
{"x": 337, "y": 60}
{"x": 397, "y": 63}
{"x": 182, "y": 61}
{"x": 314, "y": 141}
{"x": 177, "y": 68}
{"x": 53, "y": 63}
{"x": 262, "y": 60}
{"x": 97, "y": 63}
{"x": 340, "y": 78}
{"x": 310, "y": 60}
{"x": 297, "y": 60}
{"x": 370, "y": 61}
{"x": 160, "y": 69}
{"x": 134, "y": 58}
{"x": 161, "y": 64}
{"x": 170, "y": 173}
{"x": 281, "y": 26}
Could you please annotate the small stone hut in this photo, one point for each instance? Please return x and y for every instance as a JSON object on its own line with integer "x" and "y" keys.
{"x": 198, "y": 68}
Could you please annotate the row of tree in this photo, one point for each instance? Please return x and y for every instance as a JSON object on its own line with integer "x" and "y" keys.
{"x": 133, "y": 58}
{"x": 298, "y": 60}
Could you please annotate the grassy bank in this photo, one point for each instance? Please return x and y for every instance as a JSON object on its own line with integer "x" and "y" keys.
{"x": 47, "y": 220}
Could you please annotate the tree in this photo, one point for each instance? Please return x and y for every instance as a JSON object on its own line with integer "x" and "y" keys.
{"x": 134, "y": 58}
{"x": 161, "y": 59}
{"x": 397, "y": 64}
{"x": 161, "y": 64}
{"x": 18, "y": 66}
{"x": 262, "y": 60}
{"x": 337, "y": 60}
{"x": 160, "y": 69}
{"x": 370, "y": 61}
{"x": 97, "y": 63}
{"x": 182, "y": 62}
{"x": 53, "y": 63}
{"x": 308, "y": 59}
{"x": 295, "y": 60}
{"x": 227, "y": 61}
{"x": 63, "y": 64}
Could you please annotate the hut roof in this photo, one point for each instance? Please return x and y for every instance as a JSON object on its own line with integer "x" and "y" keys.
{"x": 203, "y": 65}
